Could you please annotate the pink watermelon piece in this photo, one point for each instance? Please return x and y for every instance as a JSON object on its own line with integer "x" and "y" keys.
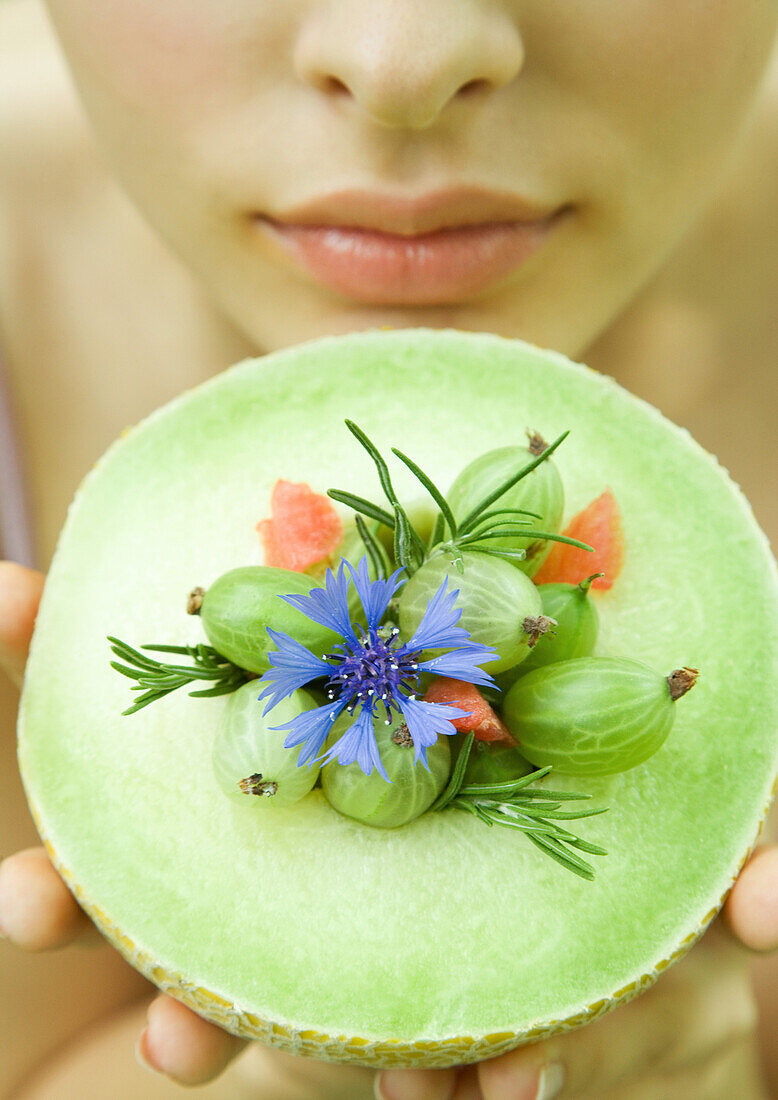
{"x": 599, "y": 524}
{"x": 303, "y": 528}
{"x": 481, "y": 719}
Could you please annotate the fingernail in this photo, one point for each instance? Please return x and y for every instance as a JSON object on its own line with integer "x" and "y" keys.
{"x": 384, "y": 1087}
{"x": 552, "y": 1078}
{"x": 142, "y": 1053}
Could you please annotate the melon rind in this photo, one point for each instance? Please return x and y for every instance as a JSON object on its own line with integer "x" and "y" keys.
{"x": 310, "y": 931}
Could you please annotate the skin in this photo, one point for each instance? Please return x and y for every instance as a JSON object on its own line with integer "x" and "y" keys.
{"x": 633, "y": 113}
{"x": 326, "y": 96}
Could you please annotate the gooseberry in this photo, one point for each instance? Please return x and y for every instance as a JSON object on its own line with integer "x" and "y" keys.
{"x": 240, "y": 605}
{"x": 250, "y": 762}
{"x": 593, "y": 715}
{"x": 369, "y": 798}
{"x": 495, "y": 599}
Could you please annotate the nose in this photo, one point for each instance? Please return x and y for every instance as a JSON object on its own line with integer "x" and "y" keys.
{"x": 404, "y": 61}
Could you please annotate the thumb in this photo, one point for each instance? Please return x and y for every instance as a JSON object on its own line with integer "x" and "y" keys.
{"x": 751, "y": 910}
{"x": 700, "y": 1005}
{"x": 20, "y": 593}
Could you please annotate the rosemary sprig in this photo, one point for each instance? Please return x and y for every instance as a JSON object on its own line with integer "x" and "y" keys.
{"x": 481, "y": 526}
{"x": 454, "y": 784}
{"x": 363, "y": 507}
{"x": 432, "y": 489}
{"x": 467, "y": 523}
{"x": 377, "y": 555}
{"x": 505, "y": 512}
{"x": 524, "y": 532}
{"x": 438, "y": 529}
{"x": 409, "y": 549}
{"x": 512, "y": 555}
{"x": 534, "y": 812}
{"x": 157, "y": 679}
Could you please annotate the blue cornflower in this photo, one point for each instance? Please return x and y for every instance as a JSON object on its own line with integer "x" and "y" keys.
{"x": 371, "y": 674}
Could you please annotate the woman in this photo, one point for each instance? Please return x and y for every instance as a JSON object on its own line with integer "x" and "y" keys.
{"x": 592, "y": 177}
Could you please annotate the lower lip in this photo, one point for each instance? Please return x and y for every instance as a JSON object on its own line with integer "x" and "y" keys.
{"x": 436, "y": 268}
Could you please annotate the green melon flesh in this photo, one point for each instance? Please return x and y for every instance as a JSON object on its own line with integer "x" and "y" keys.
{"x": 442, "y": 929}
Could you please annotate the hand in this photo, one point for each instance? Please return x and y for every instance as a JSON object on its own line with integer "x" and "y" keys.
{"x": 648, "y": 1048}
{"x": 688, "y": 1037}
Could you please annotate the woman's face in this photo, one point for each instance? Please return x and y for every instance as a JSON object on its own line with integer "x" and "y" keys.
{"x": 520, "y": 166}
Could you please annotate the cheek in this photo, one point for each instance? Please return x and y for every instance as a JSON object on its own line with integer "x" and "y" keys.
{"x": 169, "y": 55}
{"x": 651, "y": 57}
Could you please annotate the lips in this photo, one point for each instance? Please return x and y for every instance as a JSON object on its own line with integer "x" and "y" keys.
{"x": 438, "y": 248}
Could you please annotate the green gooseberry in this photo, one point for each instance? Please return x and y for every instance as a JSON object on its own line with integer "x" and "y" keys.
{"x": 495, "y": 598}
{"x": 240, "y": 605}
{"x": 494, "y": 762}
{"x": 541, "y": 492}
{"x": 577, "y": 624}
{"x": 593, "y": 715}
{"x": 250, "y": 762}
{"x": 369, "y": 798}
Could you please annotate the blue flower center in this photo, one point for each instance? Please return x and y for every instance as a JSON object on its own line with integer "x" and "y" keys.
{"x": 373, "y": 673}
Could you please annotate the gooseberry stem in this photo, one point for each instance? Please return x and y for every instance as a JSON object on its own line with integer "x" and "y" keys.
{"x": 681, "y": 680}
{"x": 584, "y": 585}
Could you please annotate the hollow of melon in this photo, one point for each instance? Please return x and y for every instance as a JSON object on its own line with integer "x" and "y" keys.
{"x": 442, "y": 941}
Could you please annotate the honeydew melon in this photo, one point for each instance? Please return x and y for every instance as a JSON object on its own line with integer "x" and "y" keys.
{"x": 302, "y": 927}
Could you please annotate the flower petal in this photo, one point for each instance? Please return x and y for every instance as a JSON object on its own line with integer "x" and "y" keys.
{"x": 426, "y": 722}
{"x": 329, "y": 605}
{"x": 462, "y": 664}
{"x": 359, "y": 743}
{"x": 437, "y": 629}
{"x": 292, "y": 666}
{"x": 310, "y": 727}
{"x": 374, "y": 595}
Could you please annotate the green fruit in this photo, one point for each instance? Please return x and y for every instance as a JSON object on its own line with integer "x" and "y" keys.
{"x": 591, "y": 716}
{"x": 541, "y": 492}
{"x": 250, "y": 762}
{"x": 238, "y": 607}
{"x": 494, "y": 597}
{"x": 577, "y": 625}
{"x": 495, "y": 762}
{"x": 445, "y": 941}
{"x": 369, "y": 798}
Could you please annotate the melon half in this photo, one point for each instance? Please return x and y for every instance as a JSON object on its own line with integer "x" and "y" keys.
{"x": 442, "y": 941}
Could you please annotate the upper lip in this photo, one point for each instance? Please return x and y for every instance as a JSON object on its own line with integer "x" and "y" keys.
{"x": 413, "y": 215}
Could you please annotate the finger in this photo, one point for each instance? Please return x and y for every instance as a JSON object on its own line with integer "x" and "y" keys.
{"x": 467, "y": 1087}
{"x": 184, "y": 1046}
{"x": 534, "y": 1073}
{"x": 416, "y": 1084}
{"x": 287, "y": 1076}
{"x": 37, "y": 911}
{"x": 751, "y": 910}
{"x": 20, "y": 593}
